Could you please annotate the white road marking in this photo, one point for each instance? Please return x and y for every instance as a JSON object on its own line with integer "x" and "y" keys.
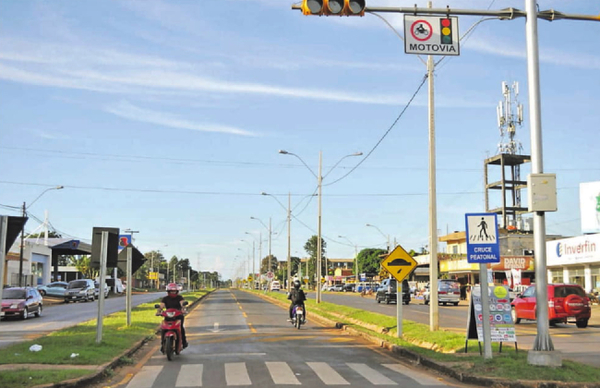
{"x": 237, "y": 374}
{"x": 145, "y": 378}
{"x": 281, "y": 373}
{"x": 327, "y": 374}
{"x": 190, "y": 375}
{"x": 419, "y": 377}
{"x": 371, "y": 374}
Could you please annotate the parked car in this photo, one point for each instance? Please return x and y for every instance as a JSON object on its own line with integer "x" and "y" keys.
{"x": 337, "y": 287}
{"x": 81, "y": 289}
{"x": 53, "y": 289}
{"x": 387, "y": 292}
{"x": 97, "y": 290}
{"x": 448, "y": 292}
{"x": 565, "y": 302}
{"x": 21, "y": 302}
{"x": 349, "y": 287}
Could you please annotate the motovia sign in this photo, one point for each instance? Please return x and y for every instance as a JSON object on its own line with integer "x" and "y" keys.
{"x": 431, "y": 35}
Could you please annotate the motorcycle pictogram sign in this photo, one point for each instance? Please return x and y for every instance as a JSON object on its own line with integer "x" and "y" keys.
{"x": 421, "y": 30}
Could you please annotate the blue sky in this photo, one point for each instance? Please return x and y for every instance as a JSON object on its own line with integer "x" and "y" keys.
{"x": 166, "y": 117}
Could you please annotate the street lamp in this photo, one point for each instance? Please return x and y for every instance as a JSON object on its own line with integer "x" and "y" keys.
{"x": 355, "y": 258}
{"x": 23, "y": 230}
{"x": 248, "y": 260}
{"x": 320, "y": 185}
{"x": 384, "y": 235}
{"x": 270, "y": 233}
{"x": 289, "y": 220}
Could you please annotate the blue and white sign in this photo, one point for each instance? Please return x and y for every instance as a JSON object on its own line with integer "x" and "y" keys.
{"x": 483, "y": 245}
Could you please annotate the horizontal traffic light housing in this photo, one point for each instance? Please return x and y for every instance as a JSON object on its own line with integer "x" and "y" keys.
{"x": 334, "y": 7}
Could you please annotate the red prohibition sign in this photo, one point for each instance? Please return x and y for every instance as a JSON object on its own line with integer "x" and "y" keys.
{"x": 419, "y": 30}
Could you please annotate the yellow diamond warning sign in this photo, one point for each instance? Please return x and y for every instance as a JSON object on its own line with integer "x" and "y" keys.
{"x": 399, "y": 263}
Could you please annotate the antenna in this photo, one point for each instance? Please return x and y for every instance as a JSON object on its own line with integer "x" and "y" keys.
{"x": 510, "y": 115}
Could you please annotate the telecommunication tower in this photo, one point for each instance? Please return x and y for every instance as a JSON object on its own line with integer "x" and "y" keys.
{"x": 510, "y": 116}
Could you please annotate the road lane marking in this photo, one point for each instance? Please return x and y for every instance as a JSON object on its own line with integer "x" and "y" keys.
{"x": 145, "y": 378}
{"x": 190, "y": 375}
{"x": 252, "y": 329}
{"x": 215, "y": 328}
{"x": 417, "y": 376}
{"x": 327, "y": 374}
{"x": 371, "y": 374}
{"x": 281, "y": 373}
{"x": 237, "y": 374}
{"x": 244, "y": 315}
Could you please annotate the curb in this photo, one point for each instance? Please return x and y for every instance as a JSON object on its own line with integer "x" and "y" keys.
{"x": 85, "y": 381}
{"x": 418, "y": 359}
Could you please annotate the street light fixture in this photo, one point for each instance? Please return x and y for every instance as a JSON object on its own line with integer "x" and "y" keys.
{"x": 384, "y": 235}
{"x": 320, "y": 187}
{"x": 289, "y": 222}
{"x": 23, "y": 230}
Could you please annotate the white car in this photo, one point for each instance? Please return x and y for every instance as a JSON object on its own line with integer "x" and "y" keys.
{"x": 448, "y": 292}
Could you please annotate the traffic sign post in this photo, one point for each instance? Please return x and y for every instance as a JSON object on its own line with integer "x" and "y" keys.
{"x": 483, "y": 246}
{"x": 399, "y": 264}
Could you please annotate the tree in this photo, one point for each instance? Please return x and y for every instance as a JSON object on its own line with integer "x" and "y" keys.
{"x": 295, "y": 264}
{"x": 311, "y": 248}
{"x": 51, "y": 234}
{"x": 264, "y": 264}
{"x": 369, "y": 260}
{"x": 82, "y": 263}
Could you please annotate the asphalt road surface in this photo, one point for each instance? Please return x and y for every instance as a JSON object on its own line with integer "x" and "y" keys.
{"x": 581, "y": 345}
{"x": 56, "y": 316}
{"x": 238, "y": 339}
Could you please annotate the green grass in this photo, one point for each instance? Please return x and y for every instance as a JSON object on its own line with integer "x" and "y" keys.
{"x": 448, "y": 347}
{"x": 22, "y": 378}
{"x": 58, "y": 347}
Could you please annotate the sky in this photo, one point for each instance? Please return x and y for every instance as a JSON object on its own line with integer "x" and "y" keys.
{"x": 166, "y": 117}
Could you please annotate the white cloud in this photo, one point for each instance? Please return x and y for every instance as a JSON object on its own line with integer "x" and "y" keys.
{"x": 131, "y": 112}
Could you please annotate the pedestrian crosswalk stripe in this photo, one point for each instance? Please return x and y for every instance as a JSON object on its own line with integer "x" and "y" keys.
{"x": 281, "y": 373}
{"x": 145, "y": 377}
{"x": 190, "y": 375}
{"x": 237, "y": 374}
{"x": 371, "y": 374}
{"x": 420, "y": 377}
{"x": 327, "y": 374}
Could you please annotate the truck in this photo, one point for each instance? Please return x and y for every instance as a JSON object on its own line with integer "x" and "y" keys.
{"x": 275, "y": 285}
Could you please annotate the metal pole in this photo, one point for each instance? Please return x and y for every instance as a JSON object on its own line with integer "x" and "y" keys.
{"x": 103, "y": 254}
{"x": 485, "y": 311}
{"x": 21, "y": 249}
{"x": 270, "y": 233}
{"x": 253, "y": 269}
{"x": 289, "y": 258}
{"x": 319, "y": 248}
{"x": 128, "y": 296}
{"x": 399, "y": 303}
{"x": 356, "y": 263}
{"x": 542, "y": 342}
{"x": 433, "y": 262}
{"x": 3, "y": 231}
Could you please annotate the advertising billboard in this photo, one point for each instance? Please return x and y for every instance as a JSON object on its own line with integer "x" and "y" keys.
{"x": 589, "y": 202}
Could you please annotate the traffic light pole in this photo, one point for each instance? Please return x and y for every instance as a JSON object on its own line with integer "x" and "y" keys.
{"x": 542, "y": 348}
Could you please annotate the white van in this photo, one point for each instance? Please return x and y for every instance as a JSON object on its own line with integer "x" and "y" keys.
{"x": 275, "y": 285}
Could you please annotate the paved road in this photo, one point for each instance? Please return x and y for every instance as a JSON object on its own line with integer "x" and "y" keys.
{"x": 581, "y": 345}
{"x": 237, "y": 339}
{"x": 60, "y": 315}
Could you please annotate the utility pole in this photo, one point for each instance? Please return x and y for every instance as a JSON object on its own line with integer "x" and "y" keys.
{"x": 289, "y": 258}
{"x": 319, "y": 248}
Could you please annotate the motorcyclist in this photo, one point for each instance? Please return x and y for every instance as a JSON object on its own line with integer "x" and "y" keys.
{"x": 175, "y": 301}
{"x": 297, "y": 297}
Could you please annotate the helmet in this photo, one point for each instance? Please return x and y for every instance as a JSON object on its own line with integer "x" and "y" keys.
{"x": 172, "y": 290}
{"x": 297, "y": 284}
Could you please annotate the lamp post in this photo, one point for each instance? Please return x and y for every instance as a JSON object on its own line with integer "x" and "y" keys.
{"x": 23, "y": 230}
{"x": 248, "y": 260}
{"x": 320, "y": 185}
{"x": 270, "y": 233}
{"x": 355, "y": 258}
{"x": 384, "y": 235}
{"x": 289, "y": 222}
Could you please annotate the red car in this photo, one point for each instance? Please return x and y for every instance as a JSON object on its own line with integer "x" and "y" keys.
{"x": 20, "y": 302}
{"x": 565, "y": 301}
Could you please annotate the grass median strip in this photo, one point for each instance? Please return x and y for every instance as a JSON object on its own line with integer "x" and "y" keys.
{"x": 447, "y": 348}
{"x": 77, "y": 346}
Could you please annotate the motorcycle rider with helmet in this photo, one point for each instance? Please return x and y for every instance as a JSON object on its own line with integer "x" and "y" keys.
{"x": 175, "y": 301}
{"x": 297, "y": 297}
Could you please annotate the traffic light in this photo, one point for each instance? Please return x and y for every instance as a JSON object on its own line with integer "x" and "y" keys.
{"x": 334, "y": 7}
{"x": 446, "y": 31}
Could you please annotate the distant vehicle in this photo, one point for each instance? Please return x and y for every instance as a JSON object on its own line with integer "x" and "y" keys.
{"x": 21, "y": 302}
{"x": 565, "y": 302}
{"x": 387, "y": 292}
{"x": 97, "y": 290}
{"x": 337, "y": 287}
{"x": 448, "y": 292}
{"x": 53, "y": 289}
{"x": 349, "y": 287}
{"x": 275, "y": 286}
{"x": 82, "y": 289}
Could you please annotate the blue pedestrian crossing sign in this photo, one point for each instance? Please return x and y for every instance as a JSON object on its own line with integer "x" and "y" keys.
{"x": 483, "y": 245}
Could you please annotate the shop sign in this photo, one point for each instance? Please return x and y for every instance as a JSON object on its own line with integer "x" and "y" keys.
{"x": 507, "y": 263}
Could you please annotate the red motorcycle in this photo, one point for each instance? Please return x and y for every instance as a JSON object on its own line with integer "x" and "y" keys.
{"x": 170, "y": 329}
